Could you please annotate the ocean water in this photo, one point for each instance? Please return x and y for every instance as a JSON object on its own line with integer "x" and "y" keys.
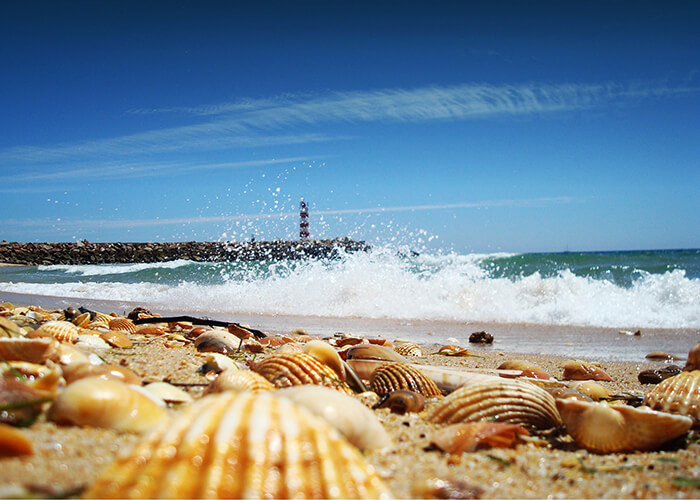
{"x": 645, "y": 289}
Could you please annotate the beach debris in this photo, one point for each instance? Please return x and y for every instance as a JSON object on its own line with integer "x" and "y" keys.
{"x": 199, "y": 321}
{"x": 630, "y": 333}
{"x": 693, "y": 362}
{"x": 481, "y": 338}
{"x": 327, "y": 355}
{"x": 240, "y": 380}
{"x": 656, "y": 376}
{"x": 288, "y": 369}
{"x": 106, "y": 403}
{"x": 401, "y": 402}
{"x": 502, "y": 400}
{"x": 581, "y": 370}
{"x": 141, "y": 312}
{"x": 455, "y": 350}
{"x": 592, "y": 389}
{"x": 63, "y": 331}
{"x": 526, "y": 368}
{"x": 409, "y": 349}
{"x": 77, "y": 371}
{"x": 661, "y": 356}
{"x": 467, "y": 437}
{"x": 14, "y": 442}
{"x": 357, "y": 423}
{"x": 446, "y": 488}
{"x": 400, "y": 376}
{"x": 168, "y": 393}
{"x": 32, "y": 350}
{"x": 235, "y": 445}
{"x": 606, "y": 428}
{"x": 679, "y": 395}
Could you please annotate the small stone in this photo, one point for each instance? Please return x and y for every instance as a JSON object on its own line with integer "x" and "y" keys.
{"x": 481, "y": 338}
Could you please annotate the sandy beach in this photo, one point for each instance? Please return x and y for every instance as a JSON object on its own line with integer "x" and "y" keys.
{"x": 66, "y": 459}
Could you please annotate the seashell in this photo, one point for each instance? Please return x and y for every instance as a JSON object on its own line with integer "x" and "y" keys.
{"x": 102, "y": 318}
{"x": 30, "y": 371}
{"x": 239, "y": 381}
{"x": 285, "y": 370}
{"x": 661, "y": 356}
{"x": 216, "y": 363}
{"x": 168, "y": 393}
{"x": 351, "y": 418}
{"x": 20, "y": 404}
{"x": 141, "y": 312}
{"x": 580, "y": 370}
{"x": 656, "y": 376}
{"x": 108, "y": 404}
{"x": 198, "y": 330}
{"x": 567, "y": 392}
{"x": 348, "y": 341}
{"x": 63, "y": 331}
{"x": 91, "y": 341}
{"x": 679, "y": 395}
{"x": 9, "y": 328}
{"x": 289, "y": 347}
{"x": 150, "y": 330}
{"x": 36, "y": 350}
{"x": 528, "y": 369}
{"x": 445, "y": 488}
{"x": 501, "y": 400}
{"x": 693, "y": 362}
{"x": 325, "y": 353}
{"x": 98, "y": 325}
{"x": 236, "y": 445}
{"x": 77, "y": 371}
{"x": 458, "y": 438}
{"x": 384, "y": 342}
{"x": 217, "y": 341}
{"x": 409, "y": 349}
{"x": 455, "y": 350}
{"x": 81, "y": 320}
{"x": 372, "y": 351}
{"x": 122, "y": 324}
{"x": 14, "y": 442}
{"x": 592, "y": 389}
{"x": 400, "y": 376}
{"x": 605, "y": 428}
{"x": 401, "y": 402}
{"x": 116, "y": 338}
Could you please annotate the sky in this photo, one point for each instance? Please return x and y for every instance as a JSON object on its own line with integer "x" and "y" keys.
{"x": 474, "y": 126}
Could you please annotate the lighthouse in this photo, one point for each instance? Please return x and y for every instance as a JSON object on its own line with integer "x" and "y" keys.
{"x": 303, "y": 220}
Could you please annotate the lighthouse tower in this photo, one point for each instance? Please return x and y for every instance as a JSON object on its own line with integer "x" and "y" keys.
{"x": 303, "y": 220}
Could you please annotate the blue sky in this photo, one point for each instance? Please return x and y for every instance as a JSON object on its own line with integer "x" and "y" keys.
{"x": 473, "y": 126}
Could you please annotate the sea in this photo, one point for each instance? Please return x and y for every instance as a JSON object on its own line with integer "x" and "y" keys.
{"x": 423, "y": 296}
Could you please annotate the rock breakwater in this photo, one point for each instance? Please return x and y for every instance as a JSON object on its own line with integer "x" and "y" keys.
{"x": 85, "y": 252}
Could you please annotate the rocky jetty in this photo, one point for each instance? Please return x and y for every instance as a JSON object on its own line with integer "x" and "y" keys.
{"x": 85, "y": 252}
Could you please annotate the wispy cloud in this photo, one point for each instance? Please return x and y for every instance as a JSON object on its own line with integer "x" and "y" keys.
{"x": 257, "y": 122}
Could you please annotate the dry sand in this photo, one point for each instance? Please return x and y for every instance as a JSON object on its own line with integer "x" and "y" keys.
{"x": 66, "y": 459}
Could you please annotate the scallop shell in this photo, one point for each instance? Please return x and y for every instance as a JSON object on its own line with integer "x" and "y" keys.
{"x": 240, "y": 380}
{"x": 605, "y": 428}
{"x": 36, "y": 350}
{"x": 693, "y": 362}
{"x": 503, "y": 400}
{"x": 122, "y": 324}
{"x": 81, "y": 320}
{"x": 236, "y": 445}
{"x": 63, "y": 331}
{"x": 351, "y": 418}
{"x": 325, "y": 353}
{"x": 102, "y": 318}
{"x": 679, "y": 395}
{"x": 288, "y": 369}
{"x": 409, "y": 349}
{"x": 580, "y": 370}
{"x": 400, "y": 376}
{"x": 108, "y": 404}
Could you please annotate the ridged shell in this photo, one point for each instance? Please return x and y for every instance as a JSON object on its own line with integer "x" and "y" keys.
{"x": 352, "y": 419}
{"x": 409, "y": 349}
{"x": 502, "y": 400}
{"x": 605, "y": 428}
{"x": 402, "y": 377}
{"x": 36, "y": 350}
{"x": 288, "y": 369}
{"x": 122, "y": 324}
{"x": 108, "y": 404}
{"x": 102, "y": 318}
{"x": 237, "y": 445}
{"x": 679, "y": 394}
{"x": 327, "y": 355}
{"x": 236, "y": 380}
{"x": 63, "y": 331}
{"x": 81, "y": 320}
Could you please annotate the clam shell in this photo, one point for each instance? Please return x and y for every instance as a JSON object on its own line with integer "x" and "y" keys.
{"x": 217, "y": 341}
{"x": 580, "y": 370}
{"x": 150, "y": 330}
{"x": 400, "y": 376}
{"x": 122, "y": 324}
{"x": 77, "y": 371}
{"x": 351, "y": 418}
{"x": 288, "y": 369}
{"x": 14, "y": 442}
{"x": 409, "y": 349}
{"x": 237, "y": 445}
{"x": 502, "y": 400}
{"x": 240, "y": 380}
{"x": 592, "y": 389}
{"x": 528, "y": 369}
{"x": 81, "y": 320}
{"x": 693, "y": 362}
{"x": 605, "y": 428}
{"x": 679, "y": 395}
{"x": 168, "y": 393}
{"x": 36, "y": 350}
{"x": 106, "y": 403}
{"x": 325, "y": 353}
{"x": 458, "y": 438}
{"x": 401, "y": 402}
{"x": 63, "y": 331}
{"x": 116, "y": 338}
{"x": 373, "y": 351}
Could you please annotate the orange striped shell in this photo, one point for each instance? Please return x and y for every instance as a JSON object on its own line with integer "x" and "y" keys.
{"x": 63, "y": 331}
{"x": 298, "y": 368}
{"x": 402, "y": 377}
{"x": 122, "y": 324}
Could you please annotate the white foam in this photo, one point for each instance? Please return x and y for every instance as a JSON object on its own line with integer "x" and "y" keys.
{"x": 105, "y": 269}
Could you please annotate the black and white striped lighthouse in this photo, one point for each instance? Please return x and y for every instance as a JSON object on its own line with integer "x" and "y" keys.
{"x": 303, "y": 220}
